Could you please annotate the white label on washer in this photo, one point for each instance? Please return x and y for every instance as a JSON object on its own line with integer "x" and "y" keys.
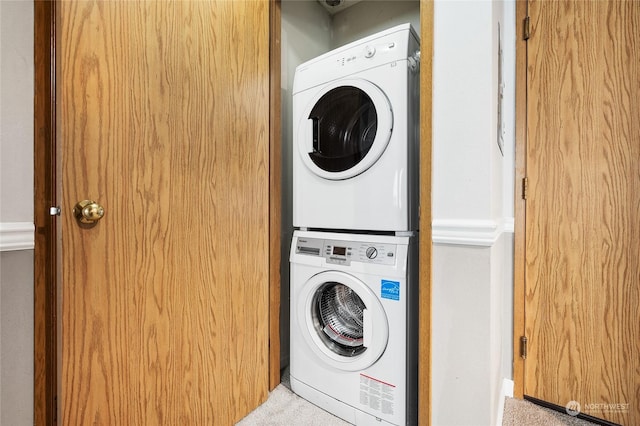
{"x": 376, "y": 394}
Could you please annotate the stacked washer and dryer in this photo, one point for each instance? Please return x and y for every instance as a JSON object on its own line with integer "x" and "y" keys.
{"x": 354, "y": 293}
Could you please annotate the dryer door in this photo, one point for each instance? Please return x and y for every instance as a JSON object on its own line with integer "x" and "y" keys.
{"x": 345, "y": 129}
{"x": 342, "y": 321}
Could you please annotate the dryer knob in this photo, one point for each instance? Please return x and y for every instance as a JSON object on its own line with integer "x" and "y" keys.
{"x": 372, "y": 252}
{"x": 369, "y": 51}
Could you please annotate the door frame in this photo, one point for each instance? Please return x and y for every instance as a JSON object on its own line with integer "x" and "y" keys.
{"x": 45, "y": 250}
{"x": 519, "y": 202}
{"x": 425, "y": 243}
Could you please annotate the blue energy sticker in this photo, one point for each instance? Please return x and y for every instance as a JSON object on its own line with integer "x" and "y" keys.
{"x": 390, "y": 290}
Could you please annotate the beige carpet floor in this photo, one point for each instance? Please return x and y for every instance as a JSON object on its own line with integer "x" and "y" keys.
{"x": 284, "y": 408}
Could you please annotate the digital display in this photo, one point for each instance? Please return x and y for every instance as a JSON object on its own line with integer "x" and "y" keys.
{"x": 340, "y": 251}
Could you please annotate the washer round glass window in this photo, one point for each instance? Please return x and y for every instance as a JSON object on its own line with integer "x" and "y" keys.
{"x": 338, "y": 319}
{"x": 345, "y": 123}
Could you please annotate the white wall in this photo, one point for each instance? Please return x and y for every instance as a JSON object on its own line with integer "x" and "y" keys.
{"x": 16, "y": 338}
{"x": 472, "y": 211}
{"x": 16, "y": 212}
{"x": 508, "y": 177}
{"x": 462, "y": 103}
{"x": 368, "y": 17}
{"x": 16, "y": 111}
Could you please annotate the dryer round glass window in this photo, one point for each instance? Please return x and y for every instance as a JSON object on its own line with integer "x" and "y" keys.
{"x": 342, "y": 321}
{"x": 345, "y": 129}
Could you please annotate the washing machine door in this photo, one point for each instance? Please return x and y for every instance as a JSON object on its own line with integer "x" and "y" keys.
{"x": 342, "y": 321}
{"x": 345, "y": 129}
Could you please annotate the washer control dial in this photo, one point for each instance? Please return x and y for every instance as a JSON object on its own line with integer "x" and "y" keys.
{"x": 371, "y": 252}
{"x": 369, "y": 51}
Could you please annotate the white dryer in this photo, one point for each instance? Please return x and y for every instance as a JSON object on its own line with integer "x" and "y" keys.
{"x": 354, "y": 337}
{"x": 356, "y": 135}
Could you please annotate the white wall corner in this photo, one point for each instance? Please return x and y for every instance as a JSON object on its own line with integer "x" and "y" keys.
{"x": 17, "y": 236}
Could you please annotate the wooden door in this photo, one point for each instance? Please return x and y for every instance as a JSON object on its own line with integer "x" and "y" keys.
{"x": 163, "y": 119}
{"x": 582, "y": 268}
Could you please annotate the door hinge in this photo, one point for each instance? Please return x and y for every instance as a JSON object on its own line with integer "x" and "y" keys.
{"x": 526, "y": 28}
{"x": 525, "y": 187}
{"x": 523, "y": 347}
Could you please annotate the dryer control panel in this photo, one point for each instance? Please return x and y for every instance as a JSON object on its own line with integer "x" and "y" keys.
{"x": 344, "y": 252}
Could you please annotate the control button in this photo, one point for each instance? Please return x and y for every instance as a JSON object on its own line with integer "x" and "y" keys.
{"x": 369, "y": 51}
{"x": 372, "y": 252}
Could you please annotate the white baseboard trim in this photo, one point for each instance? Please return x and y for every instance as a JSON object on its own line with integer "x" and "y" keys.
{"x": 505, "y": 391}
{"x": 17, "y": 236}
{"x": 469, "y": 232}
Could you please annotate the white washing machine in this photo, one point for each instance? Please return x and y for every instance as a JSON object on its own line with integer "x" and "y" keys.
{"x": 354, "y": 337}
{"x": 356, "y": 135}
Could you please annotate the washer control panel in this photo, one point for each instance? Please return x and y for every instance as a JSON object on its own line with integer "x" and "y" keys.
{"x": 345, "y": 252}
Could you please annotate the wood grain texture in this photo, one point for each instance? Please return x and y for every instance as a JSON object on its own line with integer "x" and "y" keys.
{"x": 519, "y": 202}
{"x": 163, "y": 118}
{"x": 44, "y": 384}
{"x": 582, "y": 227}
{"x": 425, "y": 241}
{"x": 275, "y": 193}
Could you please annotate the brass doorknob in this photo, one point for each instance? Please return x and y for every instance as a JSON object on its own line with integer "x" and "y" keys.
{"x": 88, "y": 212}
